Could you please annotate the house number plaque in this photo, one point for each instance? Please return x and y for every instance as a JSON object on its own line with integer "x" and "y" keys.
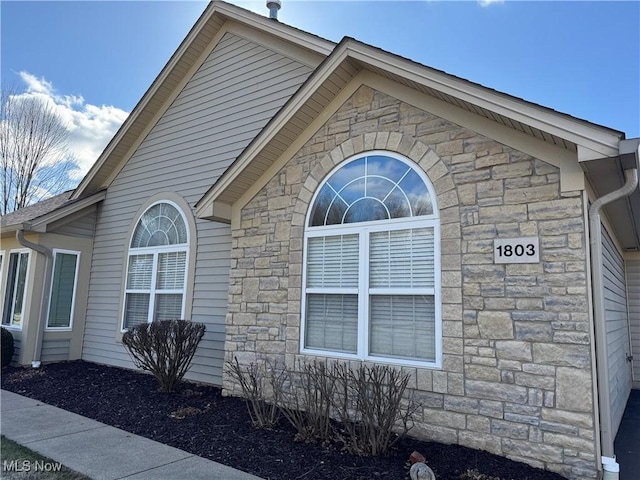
{"x": 516, "y": 250}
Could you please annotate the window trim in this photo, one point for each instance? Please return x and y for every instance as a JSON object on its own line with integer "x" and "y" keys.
{"x": 3, "y": 281}
{"x": 363, "y": 291}
{"x": 77, "y": 253}
{"x": 24, "y": 294}
{"x": 3, "y": 258}
{"x": 156, "y": 251}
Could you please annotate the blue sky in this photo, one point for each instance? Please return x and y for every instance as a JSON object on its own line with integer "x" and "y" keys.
{"x": 95, "y": 60}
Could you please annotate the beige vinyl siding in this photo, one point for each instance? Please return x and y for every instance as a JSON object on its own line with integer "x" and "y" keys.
{"x": 55, "y": 351}
{"x": 17, "y": 344}
{"x": 633, "y": 289}
{"x": 222, "y": 108}
{"x": 617, "y": 327}
{"x": 82, "y": 226}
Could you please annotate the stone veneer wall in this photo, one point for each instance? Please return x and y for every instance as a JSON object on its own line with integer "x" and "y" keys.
{"x": 516, "y": 376}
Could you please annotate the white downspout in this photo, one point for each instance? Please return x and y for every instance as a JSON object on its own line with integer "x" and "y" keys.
{"x": 46, "y": 287}
{"x": 606, "y": 430}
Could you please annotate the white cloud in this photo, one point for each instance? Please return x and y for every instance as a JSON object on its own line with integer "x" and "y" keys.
{"x": 487, "y": 3}
{"x": 90, "y": 126}
{"x": 36, "y": 85}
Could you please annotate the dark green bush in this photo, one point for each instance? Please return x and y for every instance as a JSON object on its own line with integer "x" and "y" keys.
{"x": 164, "y": 348}
{"x": 6, "y": 347}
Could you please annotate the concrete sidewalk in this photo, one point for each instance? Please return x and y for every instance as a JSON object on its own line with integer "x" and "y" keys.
{"x": 98, "y": 450}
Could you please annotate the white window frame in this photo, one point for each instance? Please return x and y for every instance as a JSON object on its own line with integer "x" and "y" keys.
{"x": 3, "y": 260}
{"x": 24, "y": 294}
{"x": 364, "y": 293}
{"x": 156, "y": 251}
{"x": 57, "y": 251}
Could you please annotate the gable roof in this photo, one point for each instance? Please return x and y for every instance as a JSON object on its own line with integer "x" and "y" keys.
{"x": 37, "y": 217}
{"x": 189, "y": 55}
{"x": 36, "y": 210}
{"x": 352, "y": 57}
{"x": 580, "y": 139}
{"x": 555, "y": 131}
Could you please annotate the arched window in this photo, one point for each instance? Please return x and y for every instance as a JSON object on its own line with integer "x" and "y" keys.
{"x": 157, "y": 265}
{"x": 371, "y": 273}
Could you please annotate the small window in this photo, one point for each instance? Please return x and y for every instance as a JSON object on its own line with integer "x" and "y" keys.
{"x": 2, "y": 279}
{"x": 371, "y": 288}
{"x": 156, "y": 269}
{"x": 63, "y": 289}
{"x": 16, "y": 290}
{"x": 1, "y": 266}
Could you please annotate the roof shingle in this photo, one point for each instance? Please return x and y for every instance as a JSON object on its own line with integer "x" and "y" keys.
{"x": 36, "y": 210}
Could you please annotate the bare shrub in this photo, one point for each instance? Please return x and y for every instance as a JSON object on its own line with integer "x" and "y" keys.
{"x": 254, "y": 381}
{"x": 365, "y": 409}
{"x": 164, "y": 348}
{"x": 371, "y": 407}
{"x": 307, "y": 403}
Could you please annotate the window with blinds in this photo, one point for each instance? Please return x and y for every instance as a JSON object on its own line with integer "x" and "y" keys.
{"x": 63, "y": 288}
{"x": 16, "y": 289}
{"x": 332, "y": 300}
{"x": 371, "y": 272}
{"x": 157, "y": 265}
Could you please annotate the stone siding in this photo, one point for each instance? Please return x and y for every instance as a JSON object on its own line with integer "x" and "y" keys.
{"x": 516, "y": 376}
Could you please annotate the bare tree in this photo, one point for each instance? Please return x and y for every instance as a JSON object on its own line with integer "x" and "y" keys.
{"x": 34, "y": 155}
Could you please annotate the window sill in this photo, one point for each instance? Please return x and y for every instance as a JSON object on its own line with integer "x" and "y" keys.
{"x": 437, "y": 365}
{"x": 13, "y": 327}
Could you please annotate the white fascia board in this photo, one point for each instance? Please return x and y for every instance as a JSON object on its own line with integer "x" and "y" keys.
{"x": 599, "y": 139}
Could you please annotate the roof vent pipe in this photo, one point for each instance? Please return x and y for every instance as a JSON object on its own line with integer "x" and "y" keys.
{"x": 274, "y": 6}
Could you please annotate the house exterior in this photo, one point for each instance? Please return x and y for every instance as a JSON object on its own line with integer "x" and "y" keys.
{"x": 311, "y": 200}
{"x": 45, "y": 259}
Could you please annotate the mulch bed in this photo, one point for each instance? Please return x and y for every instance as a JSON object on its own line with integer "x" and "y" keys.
{"x": 201, "y": 421}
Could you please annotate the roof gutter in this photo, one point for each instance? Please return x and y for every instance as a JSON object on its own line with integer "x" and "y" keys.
{"x": 46, "y": 287}
{"x": 597, "y": 269}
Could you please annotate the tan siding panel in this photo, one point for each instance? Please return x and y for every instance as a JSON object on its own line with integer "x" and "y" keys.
{"x": 82, "y": 227}
{"x": 617, "y": 328}
{"x": 633, "y": 289}
{"x": 55, "y": 351}
{"x": 16, "y": 348}
{"x": 235, "y": 92}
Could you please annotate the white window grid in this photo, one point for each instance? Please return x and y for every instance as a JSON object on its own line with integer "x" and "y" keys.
{"x": 153, "y": 291}
{"x": 363, "y": 291}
